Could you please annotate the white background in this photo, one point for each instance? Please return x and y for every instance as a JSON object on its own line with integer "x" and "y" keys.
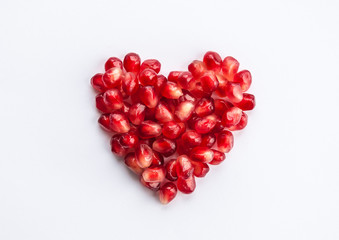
{"x": 58, "y": 178}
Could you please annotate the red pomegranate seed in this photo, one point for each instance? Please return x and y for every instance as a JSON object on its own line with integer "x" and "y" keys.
{"x": 171, "y": 90}
{"x": 119, "y": 122}
{"x": 117, "y": 147}
{"x": 154, "y": 186}
{"x": 132, "y": 62}
{"x": 233, "y": 92}
{"x": 197, "y": 68}
{"x": 184, "y": 167}
{"x": 167, "y": 192}
{"x": 160, "y": 83}
{"x": 113, "y": 62}
{"x": 218, "y": 126}
{"x": 130, "y": 84}
{"x": 101, "y": 105}
{"x": 229, "y": 67}
{"x": 184, "y": 111}
{"x": 205, "y": 124}
{"x": 112, "y": 77}
{"x": 197, "y": 90}
{"x": 208, "y": 140}
{"x": 244, "y": 78}
{"x": 154, "y": 174}
{"x": 187, "y": 96}
{"x": 191, "y": 138}
{"x": 209, "y": 81}
{"x": 218, "y": 157}
{"x": 186, "y": 186}
{"x": 136, "y": 113}
{"x": 151, "y": 64}
{"x": 184, "y": 80}
{"x": 171, "y": 170}
{"x": 212, "y": 61}
{"x": 158, "y": 159}
{"x": 242, "y": 123}
{"x": 104, "y": 122}
{"x": 220, "y": 106}
{"x": 113, "y": 99}
{"x": 131, "y": 163}
{"x": 129, "y": 140}
{"x": 202, "y": 154}
{"x": 149, "y": 129}
{"x": 164, "y": 146}
{"x": 220, "y": 91}
{"x": 200, "y": 169}
{"x": 247, "y": 103}
{"x": 98, "y": 83}
{"x": 171, "y": 130}
{"x": 173, "y": 76}
{"x": 225, "y": 141}
{"x": 148, "y": 96}
{"x": 144, "y": 155}
{"x": 231, "y": 117}
{"x": 204, "y": 107}
{"x": 148, "y": 77}
{"x": 163, "y": 113}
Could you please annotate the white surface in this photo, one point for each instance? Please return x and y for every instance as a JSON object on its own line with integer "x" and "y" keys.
{"x": 58, "y": 178}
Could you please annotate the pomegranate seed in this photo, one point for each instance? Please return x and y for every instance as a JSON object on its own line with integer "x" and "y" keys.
{"x": 220, "y": 91}
{"x": 233, "y": 92}
{"x": 212, "y": 61}
{"x": 173, "y": 76}
{"x": 218, "y": 126}
{"x": 130, "y": 84}
{"x": 152, "y": 64}
{"x": 225, "y": 141}
{"x": 154, "y": 174}
{"x": 171, "y": 130}
{"x": 149, "y": 129}
{"x": 184, "y": 80}
{"x": 171, "y": 90}
{"x": 202, "y": 154}
{"x": 119, "y": 122}
{"x": 113, "y": 99}
{"x": 160, "y": 83}
{"x": 191, "y": 138}
{"x": 244, "y": 78}
{"x": 184, "y": 167}
{"x": 164, "y": 146}
{"x": 204, "y": 107}
{"x": 101, "y": 105}
{"x": 129, "y": 140}
{"x": 242, "y": 123}
{"x": 197, "y": 90}
{"x": 208, "y": 140}
{"x": 205, "y": 124}
{"x": 247, "y": 103}
{"x": 148, "y": 96}
{"x": 116, "y": 145}
{"x": 98, "y": 83}
{"x": 131, "y": 163}
{"x": 167, "y": 192}
{"x": 229, "y": 67}
{"x": 144, "y": 155}
{"x": 171, "y": 170}
{"x": 113, "y": 62}
{"x": 136, "y": 113}
{"x": 200, "y": 169}
{"x": 184, "y": 111}
{"x": 186, "y": 186}
{"x": 231, "y": 117}
{"x": 148, "y": 77}
{"x": 158, "y": 160}
{"x": 220, "y": 106}
{"x": 197, "y": 68}
{"x": 132, "y": 62}
{"x": 187, "y": 96}
{"x": 218, "y": 157}
{"x": 209, "y": 81}
{"x": 163, "y": 113}
{"x": 104, "y": 122}
{"x": 154, "y": 186}
{"x": 112, "y": 77}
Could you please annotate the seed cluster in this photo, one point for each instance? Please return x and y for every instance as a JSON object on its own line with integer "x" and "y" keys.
{"x": 165, "y": 128}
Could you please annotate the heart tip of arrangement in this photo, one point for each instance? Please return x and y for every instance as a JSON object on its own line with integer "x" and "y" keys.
{"x": 165, "y": 128}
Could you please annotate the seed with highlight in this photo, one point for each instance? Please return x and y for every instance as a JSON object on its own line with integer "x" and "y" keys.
{"x": 154, "y": 174}
{"x": 167, "y": 192}
{"x": 186, "y": 186}
{"x": 184, "y": 167}
{"x": 202, "y": 154}
{"x": 225, "y": 141}
{"x": 144, "y": 155}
